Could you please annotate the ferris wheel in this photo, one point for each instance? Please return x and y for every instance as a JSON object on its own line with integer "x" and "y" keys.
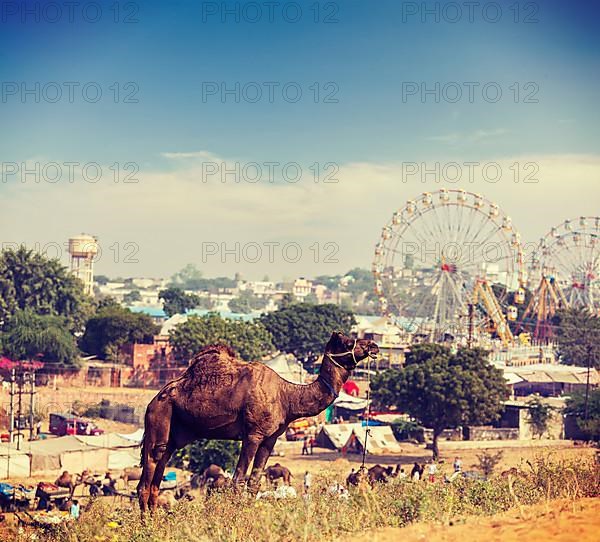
{"x": 569, "y": 255}
{"x": 447, "y": 264}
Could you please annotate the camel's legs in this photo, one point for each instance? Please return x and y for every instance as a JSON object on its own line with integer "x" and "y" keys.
{"x": 249, "y": 447}
{"x": 157, "y": 479}
{"x": 260, "y": 460}
{"x": 157, "y": 428}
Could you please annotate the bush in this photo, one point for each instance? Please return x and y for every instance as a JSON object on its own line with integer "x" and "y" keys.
{"x": 234, "y": 517}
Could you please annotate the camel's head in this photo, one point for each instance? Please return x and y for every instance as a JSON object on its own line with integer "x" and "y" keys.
{"x": 348, "y": 352}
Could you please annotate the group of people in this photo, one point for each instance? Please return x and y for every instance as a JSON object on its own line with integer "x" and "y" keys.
{"x": 308, "y": 443}
{"x": 418, "y": 471}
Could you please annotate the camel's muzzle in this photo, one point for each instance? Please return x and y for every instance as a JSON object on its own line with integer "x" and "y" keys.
{"x": 373, "y": 350}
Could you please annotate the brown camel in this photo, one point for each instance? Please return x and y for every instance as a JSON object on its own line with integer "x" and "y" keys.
{"x": 380, "y": 474}
{"x": 222, "y": 397}
{"x": 67, "y": 480}
{"x": 276, "y": 472}
{"x": 131, "y": 474}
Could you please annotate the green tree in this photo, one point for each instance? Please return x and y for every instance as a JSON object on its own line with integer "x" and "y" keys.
{"x": 249, "y": 339}
{"x": 31, "y": 281}
{"x": 362, "y": 281}
{"x": 578, "y": 334}
{"x": 575, "y": 406}
{"x": 202, "y": 453}
{"x": 443, "y": 390}
{"x": 303, "y": 329}
{"x": 28, "y": 335}
{"x": 113, "y": 326}
{"x": 176, "y": 301}
{"x": 247, "y": 302}
{"x": 132, "y": 297}
{"x": 539, "y": 414}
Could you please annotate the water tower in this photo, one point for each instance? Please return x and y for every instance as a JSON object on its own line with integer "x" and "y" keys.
{"x": 83, "y": 249}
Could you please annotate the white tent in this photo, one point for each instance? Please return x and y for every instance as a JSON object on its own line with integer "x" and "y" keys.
{"x": 14, "y": 463}
{"x": 335, "y": 435}
{"x": 349, "y": 402}
{"x": 136, "y": 436}
{"x": 122, "y": 452}
{"x": 288, "y": 368}
{"x": 380, "y": 440}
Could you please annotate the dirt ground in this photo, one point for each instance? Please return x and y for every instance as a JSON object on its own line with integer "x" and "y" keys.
{"x": 328, "y": 460}
{"x": 559, "y": 521}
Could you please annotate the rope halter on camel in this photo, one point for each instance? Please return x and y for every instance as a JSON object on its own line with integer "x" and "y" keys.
{"x": 332, "y": 356}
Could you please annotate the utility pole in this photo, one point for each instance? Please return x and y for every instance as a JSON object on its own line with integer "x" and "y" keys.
{"x": 587, "y": 383}
{"x": 470, "y": 336}
{"x": 25, "y": 385}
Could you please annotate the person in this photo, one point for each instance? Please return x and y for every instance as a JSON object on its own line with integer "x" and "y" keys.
{"x": 307, "y": 482}
{"x": 95, "y": 488}
{"x": 311, "y": 443}
{"x": 457, "y": 464}
{"x": 402, "y": 474}
{"x": 415, "y": 473}
{"x": 75, "y": 509}
{"x": 305, "y": 446}
{"x": 431, "y": 470}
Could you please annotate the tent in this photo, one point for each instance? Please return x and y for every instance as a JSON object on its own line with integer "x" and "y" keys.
{"x": 335, "y": 435}
{"x": 137, "y": 436}
{"x": 122, "y": 452}
{"x": 288, "y": 368}
{"x": 65, "y": 453}
{"x": 349, "y": 402}
{"x": 381, "y": 440}
{"x": 13, "y": 463}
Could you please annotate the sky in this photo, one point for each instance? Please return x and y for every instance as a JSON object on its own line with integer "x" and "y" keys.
{"x": 278, "y": 138}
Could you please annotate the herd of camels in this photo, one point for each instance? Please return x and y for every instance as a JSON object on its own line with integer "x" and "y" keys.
{"x": 221, "y": 397}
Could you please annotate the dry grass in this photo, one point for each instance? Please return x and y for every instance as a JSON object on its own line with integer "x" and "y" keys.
{"x": 233, "y": 517}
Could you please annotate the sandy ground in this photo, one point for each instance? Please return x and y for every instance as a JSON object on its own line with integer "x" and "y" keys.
{"x": 560, "y": 521}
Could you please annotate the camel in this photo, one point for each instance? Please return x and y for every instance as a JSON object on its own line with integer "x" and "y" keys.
{"x": 377, "y": 473}
{"x": 131, "y": 474}
{"x": 212, "y": 472}
{"x": 276, "y": 472}
{"x": 67, "y": 480}
{"x": 222, "y": 397}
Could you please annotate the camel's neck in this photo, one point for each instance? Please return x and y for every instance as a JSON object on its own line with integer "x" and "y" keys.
{"x": 310, "y": 399}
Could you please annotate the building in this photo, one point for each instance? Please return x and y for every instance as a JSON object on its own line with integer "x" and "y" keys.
{"x": 549, "y": 380}
{"x": 301, "y": 288}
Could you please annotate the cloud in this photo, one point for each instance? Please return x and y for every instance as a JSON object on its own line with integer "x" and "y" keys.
{"x": 167, "y": 216}
{"x": 477, "y": 136}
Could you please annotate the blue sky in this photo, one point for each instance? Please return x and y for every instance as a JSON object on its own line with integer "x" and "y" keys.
{"x": 366, "y": 57}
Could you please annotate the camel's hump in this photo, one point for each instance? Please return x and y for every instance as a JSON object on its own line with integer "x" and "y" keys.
{"x": 213, "y": 352}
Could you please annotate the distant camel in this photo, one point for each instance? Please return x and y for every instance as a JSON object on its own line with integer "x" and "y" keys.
{"x": 380, "y": 474}
{"x": 67, "y": 480}
{"x": 222, "y": 397}
{"x": 131, "y": 474}
{"x": 276, "y": 472}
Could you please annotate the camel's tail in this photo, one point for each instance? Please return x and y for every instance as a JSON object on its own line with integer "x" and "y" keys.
{"x": 143, "y": 449}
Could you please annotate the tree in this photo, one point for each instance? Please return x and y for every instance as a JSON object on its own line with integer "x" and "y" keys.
{"x": 539, "y": 414}
{"x": 132, "y": 297}
{"x": 28, "y": 335}
{"x": 113, "y": 326}
{"x": 575, "y": 406}
{"x": 246, "y": 302}
{"x": 443, "y": 390}
{"x": 176, "y": 301}
{"x": 202, "y": 453}
{"x": 488, "y": 461}
{"x": 578, "y": 334}
{"x": 249, "y": 339}
{"x": 303, "y": 329}
{"x": 101, "y": 279}
{"x": 44, "y": 286}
